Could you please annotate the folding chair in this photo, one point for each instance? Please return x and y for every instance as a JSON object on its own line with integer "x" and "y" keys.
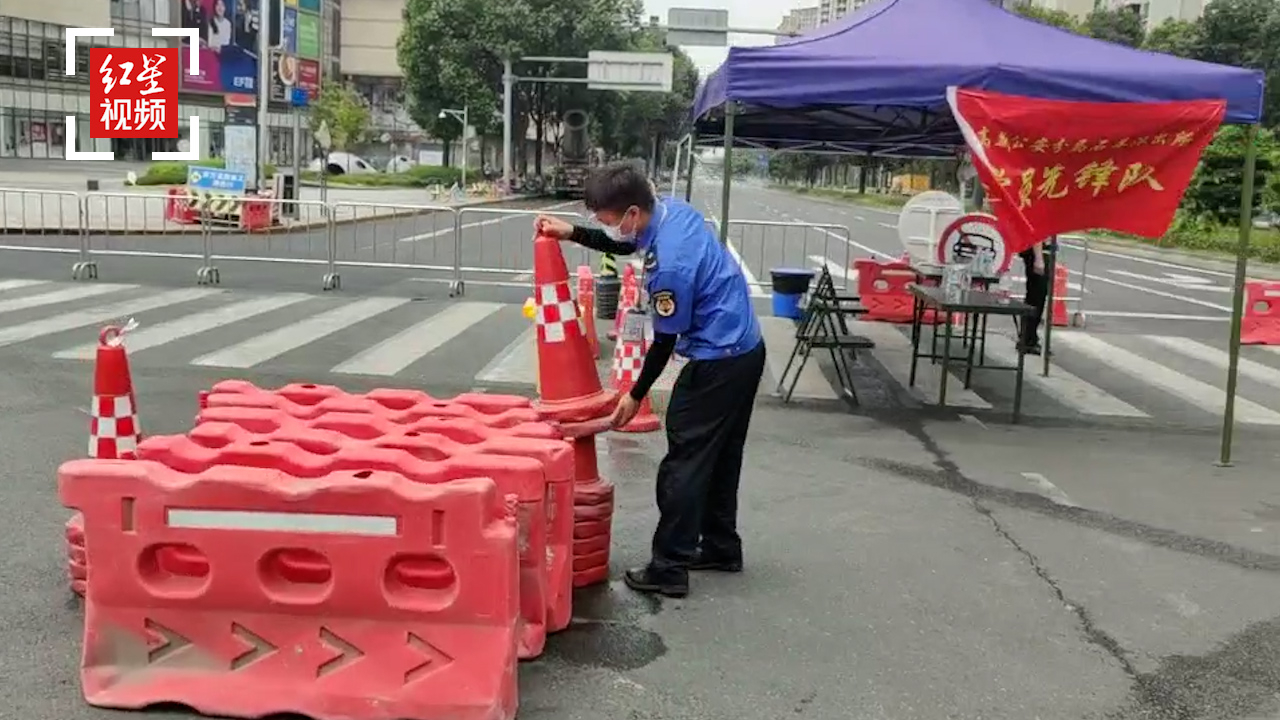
{"x": 823, "y": 326}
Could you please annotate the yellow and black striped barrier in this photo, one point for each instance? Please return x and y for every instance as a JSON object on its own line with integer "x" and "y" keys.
{"x": 608, "y": 265}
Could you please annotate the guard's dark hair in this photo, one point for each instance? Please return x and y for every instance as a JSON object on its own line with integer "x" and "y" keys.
{"x": 616, "y": 187}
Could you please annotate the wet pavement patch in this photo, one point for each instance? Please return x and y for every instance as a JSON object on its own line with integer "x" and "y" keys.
{"x": 607, "y": 630}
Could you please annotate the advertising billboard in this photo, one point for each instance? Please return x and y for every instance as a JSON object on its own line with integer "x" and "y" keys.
{"x": 228, "y": 38}
{"x": 308, "y": 35}
{"x": 289, "y": 30}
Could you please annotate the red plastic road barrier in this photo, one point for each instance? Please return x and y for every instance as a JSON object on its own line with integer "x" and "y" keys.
{"x": 392, "y": 399}
{"x": 882, "y": 289}
{"x": 428, "y": 439}
{"x": 177, "y": 207}
{"x": 1261, "y": 322}
{"x": 399, "y": 601}
{"x": 400, "y": 414}
{"x": 317, "y": 454}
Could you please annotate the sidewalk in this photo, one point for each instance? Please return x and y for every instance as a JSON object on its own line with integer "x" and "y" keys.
{"x": 51, "y": 203}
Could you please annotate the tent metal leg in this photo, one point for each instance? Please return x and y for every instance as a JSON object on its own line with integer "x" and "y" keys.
{"x": 688, "y": 183}
{"x": 726, "y": 172}
{"x": 1237, "y": 300}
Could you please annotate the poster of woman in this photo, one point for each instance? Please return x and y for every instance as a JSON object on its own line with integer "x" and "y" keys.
{"x": 228, "y": 45}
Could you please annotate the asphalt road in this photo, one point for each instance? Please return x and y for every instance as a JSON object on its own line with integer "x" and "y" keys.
{"x": 912, "y": 571}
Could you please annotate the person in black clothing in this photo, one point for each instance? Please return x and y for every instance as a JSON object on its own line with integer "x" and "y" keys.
{"x": 1033, "y": 263}
{"x": 700, "y": 306}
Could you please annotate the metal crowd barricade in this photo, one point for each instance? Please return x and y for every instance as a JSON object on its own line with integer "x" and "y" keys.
{"x": 45, "y": 221}
{"x": 762, "y": 245}
{"x": 269, "y": 230}
{"x": 494, "y": 246}
{"x": 411, "y": 237}
{"x": 133, "y": 224}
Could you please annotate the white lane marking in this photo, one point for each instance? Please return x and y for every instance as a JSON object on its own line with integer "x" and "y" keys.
{"x": 891, "y": 226}
{"x": 1156, "y": 316}
{"x": 1182, "y": 282}
{"x": 752, "y": 282}
{"x": 1200, "y": 394}
{"x": 833, "y": 267}
{"x": 79, "y": 292}
{"x": 1251, "y": 369}
{"x": 276, "y": 343}
{"x": 1081, "y": 396}
{"x": 1158, "y": 293}
{"x": 484, "y": 223}
{"x": 156, "y": 335}
{"x": 1148, "y": 261}
{"x": 1048, "y": 490}
{"x": 859, "y": 218}
{"x": 82, "y": 318}
{"x": 410, "y": 345}
{"x": 19, "y": 284}
{"x": 517, "y": 363}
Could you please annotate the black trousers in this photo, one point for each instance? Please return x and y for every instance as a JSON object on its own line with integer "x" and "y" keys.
{"x": 707, "y": 423}
{"x": 1037, "y": 293}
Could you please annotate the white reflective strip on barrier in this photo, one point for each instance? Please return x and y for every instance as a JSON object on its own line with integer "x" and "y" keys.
{"x": 281, "y": 522}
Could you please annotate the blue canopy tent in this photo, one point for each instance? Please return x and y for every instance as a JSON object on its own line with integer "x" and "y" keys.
{"x": 875, "y": 82}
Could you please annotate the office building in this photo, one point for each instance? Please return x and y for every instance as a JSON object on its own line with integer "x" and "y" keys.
{"x": 831, "y": 10}
{"x": 799, "y": 20}
{"x": 1156, "y": 12}
{"x": 36, "y": 95}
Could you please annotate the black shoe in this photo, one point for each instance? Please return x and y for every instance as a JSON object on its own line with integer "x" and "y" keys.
{"x": 1029, "y": 348}
{"x": 641, "y": 580}
{"x": 701, "y": 562}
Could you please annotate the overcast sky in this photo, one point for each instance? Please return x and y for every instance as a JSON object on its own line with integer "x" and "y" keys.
{"x": 752, "y": 14}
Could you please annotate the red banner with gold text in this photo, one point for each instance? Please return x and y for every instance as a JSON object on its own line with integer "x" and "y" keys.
{"x": 1055, "y": 166}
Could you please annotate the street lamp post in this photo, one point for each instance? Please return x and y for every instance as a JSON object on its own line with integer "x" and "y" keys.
{"x": 461, "y": 116}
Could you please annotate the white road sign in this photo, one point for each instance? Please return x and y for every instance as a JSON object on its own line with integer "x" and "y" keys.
{"x": 633, "y": 72}
{"x": 699, "y": 27}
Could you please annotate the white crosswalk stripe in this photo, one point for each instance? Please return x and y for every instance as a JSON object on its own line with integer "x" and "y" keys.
{"x": 491, "y": 346}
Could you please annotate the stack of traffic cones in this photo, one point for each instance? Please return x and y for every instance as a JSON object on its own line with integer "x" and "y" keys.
{"x": 628, "y": 297}
{"x": 114, "y": 433}
{"x": 571, "y": 395}
{"x": 628, "y": 357}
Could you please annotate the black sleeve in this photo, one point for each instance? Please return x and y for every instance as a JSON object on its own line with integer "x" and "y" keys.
{"x": 654, "y": 362}
{"x": 595, "y": 239}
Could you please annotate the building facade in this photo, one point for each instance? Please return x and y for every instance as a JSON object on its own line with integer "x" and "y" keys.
{"x": 36, "y": 95}
{"x": 799, "y": 20}
{"x": 832, "y": 10}
{"x": 1156, "y": 12}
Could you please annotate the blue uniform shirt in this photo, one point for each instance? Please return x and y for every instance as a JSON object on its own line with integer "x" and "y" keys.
{"x": 696, "y": 289}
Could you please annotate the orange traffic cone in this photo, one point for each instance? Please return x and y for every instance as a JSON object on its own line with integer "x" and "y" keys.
{"x": 1060, "y": 289}
{"x": 114, "y": 431}
{"x": 587, "y": 308}
{"x": 571, "y": 390}
{"x": 628, "y": 356}
{"x": 628, "y": 297}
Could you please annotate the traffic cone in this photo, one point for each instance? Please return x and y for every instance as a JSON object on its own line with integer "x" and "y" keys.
{"x": 587, "y": 308}
{"x": 1060, "y": 289}
{"x": 571, "y": 390}
{"x": 114, "y": 431}
{"x": 628, "y": 356}
{"x": 628, "y": 298}
{"x": 114, "y": 434}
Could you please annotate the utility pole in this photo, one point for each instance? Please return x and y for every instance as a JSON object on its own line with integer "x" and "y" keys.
{"x": 264, "y": 93}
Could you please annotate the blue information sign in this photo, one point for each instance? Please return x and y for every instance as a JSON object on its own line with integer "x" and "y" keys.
{"x": 215, "y": 180}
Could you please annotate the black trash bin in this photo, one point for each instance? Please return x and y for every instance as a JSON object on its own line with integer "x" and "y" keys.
{"x": 789, "y": 288}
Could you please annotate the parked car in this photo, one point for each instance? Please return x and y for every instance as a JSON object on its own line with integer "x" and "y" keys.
{"x": 344, "y": 163}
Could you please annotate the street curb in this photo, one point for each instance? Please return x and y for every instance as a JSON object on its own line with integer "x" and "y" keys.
{"x": 274, "y": 230}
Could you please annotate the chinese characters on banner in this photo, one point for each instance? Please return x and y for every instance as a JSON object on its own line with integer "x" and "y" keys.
{"x": 1055, "y": 166}
{"x": 134, "y": 92}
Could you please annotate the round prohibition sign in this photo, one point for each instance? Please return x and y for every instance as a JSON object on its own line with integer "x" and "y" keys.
{"x": 969, "y": 236}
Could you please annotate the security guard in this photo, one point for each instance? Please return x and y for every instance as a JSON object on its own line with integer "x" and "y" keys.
{"x": 1033, "y": 263}
{"x": 701, "y": 307}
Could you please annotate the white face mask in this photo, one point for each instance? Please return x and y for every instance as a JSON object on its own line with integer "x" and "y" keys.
{"x": 615, "y": 232}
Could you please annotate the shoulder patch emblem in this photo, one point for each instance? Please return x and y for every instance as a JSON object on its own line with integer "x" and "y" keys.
{"x": 650, "y": 260}
{"x": 664, "y": 303}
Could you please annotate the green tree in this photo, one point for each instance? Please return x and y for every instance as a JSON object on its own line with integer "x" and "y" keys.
{"x": 1119, "y": 26}
{"x": 1174, "y": 37}
{"x": 451, "y": 53}
{"x": 1242, "y": 33}
{"x": 1056, "y": 18}
{"x": 345, "y": 112}
{"x": 1215, "y": 189}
